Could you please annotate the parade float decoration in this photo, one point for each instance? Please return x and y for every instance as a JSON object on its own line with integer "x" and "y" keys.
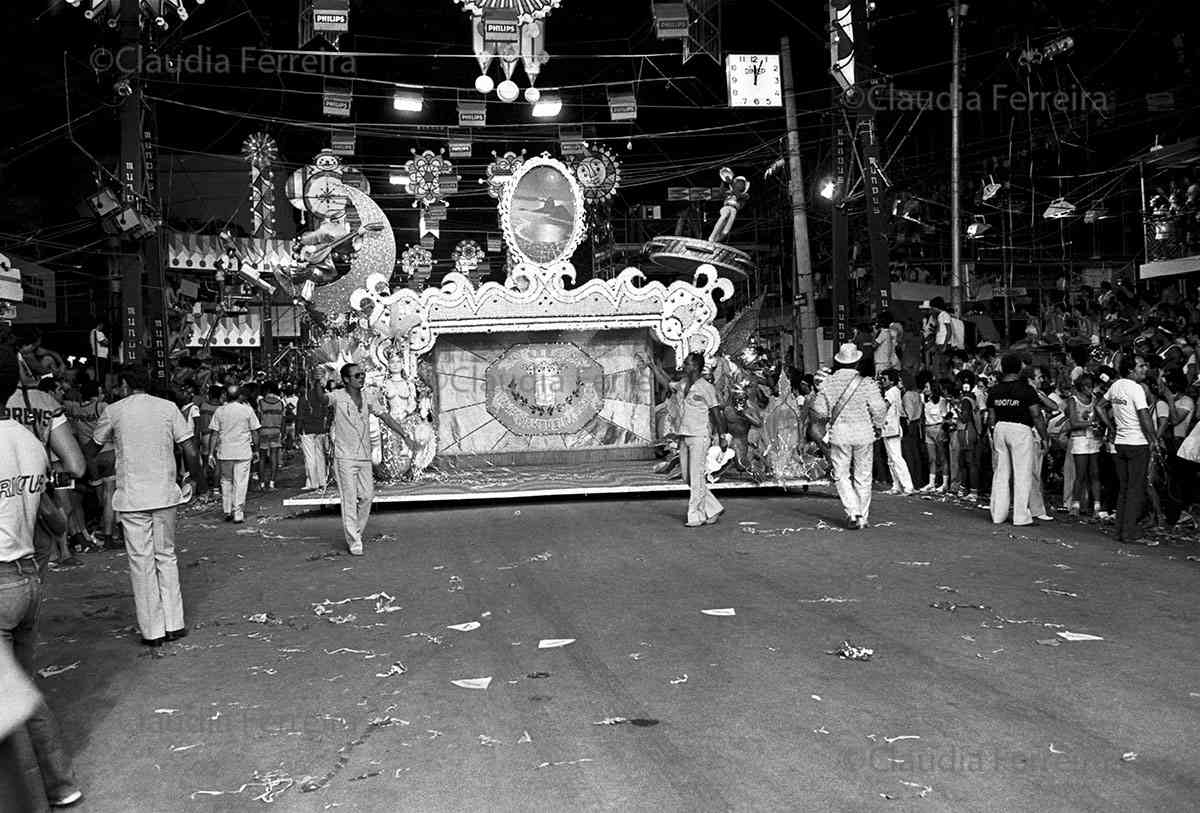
{"x": 682, "y": 255}
{"x": 261, "y": 153}
{"x": 514, "y": 32}
{"x": 538, "y": 364}
{"x": 416, "y": 262}
{"x": 467, "y": 258}
{"x": 431, "y": 177}
{"x": 500, "y": 172}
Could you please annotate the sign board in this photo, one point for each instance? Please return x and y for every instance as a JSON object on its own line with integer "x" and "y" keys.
{"x": 342, "y": 143}
{"x": 501, "y": 26}
{"x": 336, "y": 102}
{"x": 493, "y": 244}
{"x": 472, "y": 114}
{"x": 622, "y": 106}
{"x": 670, "y": 20}
{"x": 1009, "y": 291}
{"x": 331, "y": 15}
{"x": 39, "y": 305}
{"x": 574, "y": 148}
{"x": 460, "y": 149}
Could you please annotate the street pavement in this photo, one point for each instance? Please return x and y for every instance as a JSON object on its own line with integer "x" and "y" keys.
{"x": 343, "y": 699}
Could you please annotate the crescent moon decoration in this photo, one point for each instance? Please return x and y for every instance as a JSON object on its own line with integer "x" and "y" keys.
{"x": 375, "y": 254}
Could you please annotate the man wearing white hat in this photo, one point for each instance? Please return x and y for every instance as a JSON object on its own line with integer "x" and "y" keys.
{"x": 854, "y": 413}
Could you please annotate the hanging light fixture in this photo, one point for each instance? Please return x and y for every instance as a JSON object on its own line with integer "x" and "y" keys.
{"x": 990, "y": 189}
{"x": 1059, "y": 209}
{"x": 827, "y": 189}
{"x": 484, "y": 84}
{"x": 1097, "y": 211}
{"x": 548, "y": 106}
{"x": 408, "y": 101}
{"x": 977, "y": 229}
{"x": 532, "y": 95}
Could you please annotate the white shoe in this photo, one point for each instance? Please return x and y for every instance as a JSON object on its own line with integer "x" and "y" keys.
{"x": 1043, "y": 517}
{"x": 893, "y": 491}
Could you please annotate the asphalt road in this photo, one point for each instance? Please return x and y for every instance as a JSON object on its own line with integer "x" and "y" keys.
{"x": 958, "y": 709}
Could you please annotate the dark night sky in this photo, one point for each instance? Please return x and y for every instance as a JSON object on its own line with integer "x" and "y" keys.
{"x": 1121, "y": 48}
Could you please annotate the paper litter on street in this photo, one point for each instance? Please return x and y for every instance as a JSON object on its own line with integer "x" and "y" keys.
{"x": 467, "y": 627}
{"x": 473, "y": 683}
{"x": 397, "y": 668}
{"x": 720, "y": 611}
{"x": 525, "y": 738}
{"x": 852, "y": 652}
{"x": 1078, "y": 636}
{"x": 51, "y": 671}
{"x": 681, "y": 679}
{"x": 554, "y": 643}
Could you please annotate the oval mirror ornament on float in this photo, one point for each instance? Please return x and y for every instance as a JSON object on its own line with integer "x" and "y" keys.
{"x": 543, "y": 212}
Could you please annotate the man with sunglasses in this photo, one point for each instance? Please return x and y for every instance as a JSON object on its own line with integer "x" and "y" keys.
{"x": 350, "y": 431}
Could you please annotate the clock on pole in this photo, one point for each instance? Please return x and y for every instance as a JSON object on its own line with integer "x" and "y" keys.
{"x": 754, "y": 80}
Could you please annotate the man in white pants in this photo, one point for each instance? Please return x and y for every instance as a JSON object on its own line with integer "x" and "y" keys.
{"x": 351, "y": 412}
{"x": 312, "y": 419}
{"x": 234, "y": 429}
{"x": 901, "y": 478}
{"x": 855, "y": 411}
{"x": 145, "y": 431}
{"x": 1015, "y": 415}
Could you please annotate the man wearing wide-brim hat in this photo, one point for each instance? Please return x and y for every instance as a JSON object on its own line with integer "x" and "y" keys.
{"x": 853, "y": 412}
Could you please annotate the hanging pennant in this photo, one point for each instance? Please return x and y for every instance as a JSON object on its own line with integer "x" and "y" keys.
{"x": 261, "y": 152}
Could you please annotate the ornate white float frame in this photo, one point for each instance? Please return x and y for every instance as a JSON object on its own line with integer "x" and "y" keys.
{"x": 536, "y": 298}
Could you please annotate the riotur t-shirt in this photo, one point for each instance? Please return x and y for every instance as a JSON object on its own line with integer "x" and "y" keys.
{"x": 1011, "y": 400}
{"x": 1127, "y": 397}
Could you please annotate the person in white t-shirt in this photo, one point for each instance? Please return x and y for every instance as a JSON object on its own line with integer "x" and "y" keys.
{"x": 901, "y": 477}
{"x": 1125, "y": 410}
{"x": 24, "y": 475}
{"x": 234, "y": 429}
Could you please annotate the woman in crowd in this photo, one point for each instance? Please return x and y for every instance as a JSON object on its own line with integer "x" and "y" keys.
{"x": 1084, "y": 446}
{"x": 936, "y": 409}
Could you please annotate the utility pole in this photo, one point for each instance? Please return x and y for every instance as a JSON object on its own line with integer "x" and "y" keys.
{"x": 956, "y": 12}
{"x": 141, "y": 268}
{"x": 804, "y": 312}
{"x": 130, "y": 172}
{"x": 873, "y": 180}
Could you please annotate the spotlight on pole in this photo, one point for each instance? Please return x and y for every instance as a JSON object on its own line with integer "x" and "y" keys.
{"x": 827, "y": 189}
{"x": 976, "y": 229}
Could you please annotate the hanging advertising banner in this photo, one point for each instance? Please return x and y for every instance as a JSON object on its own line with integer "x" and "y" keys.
{"x": 343, "y": 142}
{"x": 500, "y": 26}
{"x": 39, "y": 303}
{"x": 336, "y": 100}
{"x": 472, "y": 114}
{"x": 331, "y": 16}
{"x": 460, "y": 149}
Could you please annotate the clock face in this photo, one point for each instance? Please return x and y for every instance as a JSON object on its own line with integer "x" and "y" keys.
{"x": 754, "y": 80}
{"x": 323, "y": 196}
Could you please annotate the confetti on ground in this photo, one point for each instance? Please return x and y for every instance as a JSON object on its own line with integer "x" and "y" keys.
{"x": 561, "y": 764}
{"x": 342, "y": 619}
{"x": 489, "y": 742}
{"x": 467, "y": 627}
{"x": 890, "y": 740}
{"x": 952, "y": 606}
{"x": 1129, "y": 756}
{"x": 1078, "y": 636}
{"x": 177, "y": 748}
{"x": 946, "y": 588}
{"x": 1054, "y": 750}
{"x": 1049, "y": 642}
{"x": 816, "y": 697}
{"x": 273, "y": 784}
{"x": 536, "y": 675}
{"x": 852, "y": 652}
{"x": 612, "y": 721}
{"x": 525, "y": 738}
{"x": 747, "y": 523}
{"x": 397, "y": 668}
{"x": 827, "y": 600}
{"x": 473, "y": 683}
{"x": 51, "y": 671}
{"x": 1052, "y": 592}
{"x": 554, "y": 643}
{"x": 927, "y": 513}
{"x": 264, "y": 618}
{"x": 912, "y": 564}
{"x": 720, "y": 611}
{"x": 681, "y": 679}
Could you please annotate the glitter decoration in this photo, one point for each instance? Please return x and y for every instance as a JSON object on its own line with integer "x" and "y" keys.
{"x": 261, "y": 152}
{"x": 501, "y": 171}
{"x": 428, "y": 173}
